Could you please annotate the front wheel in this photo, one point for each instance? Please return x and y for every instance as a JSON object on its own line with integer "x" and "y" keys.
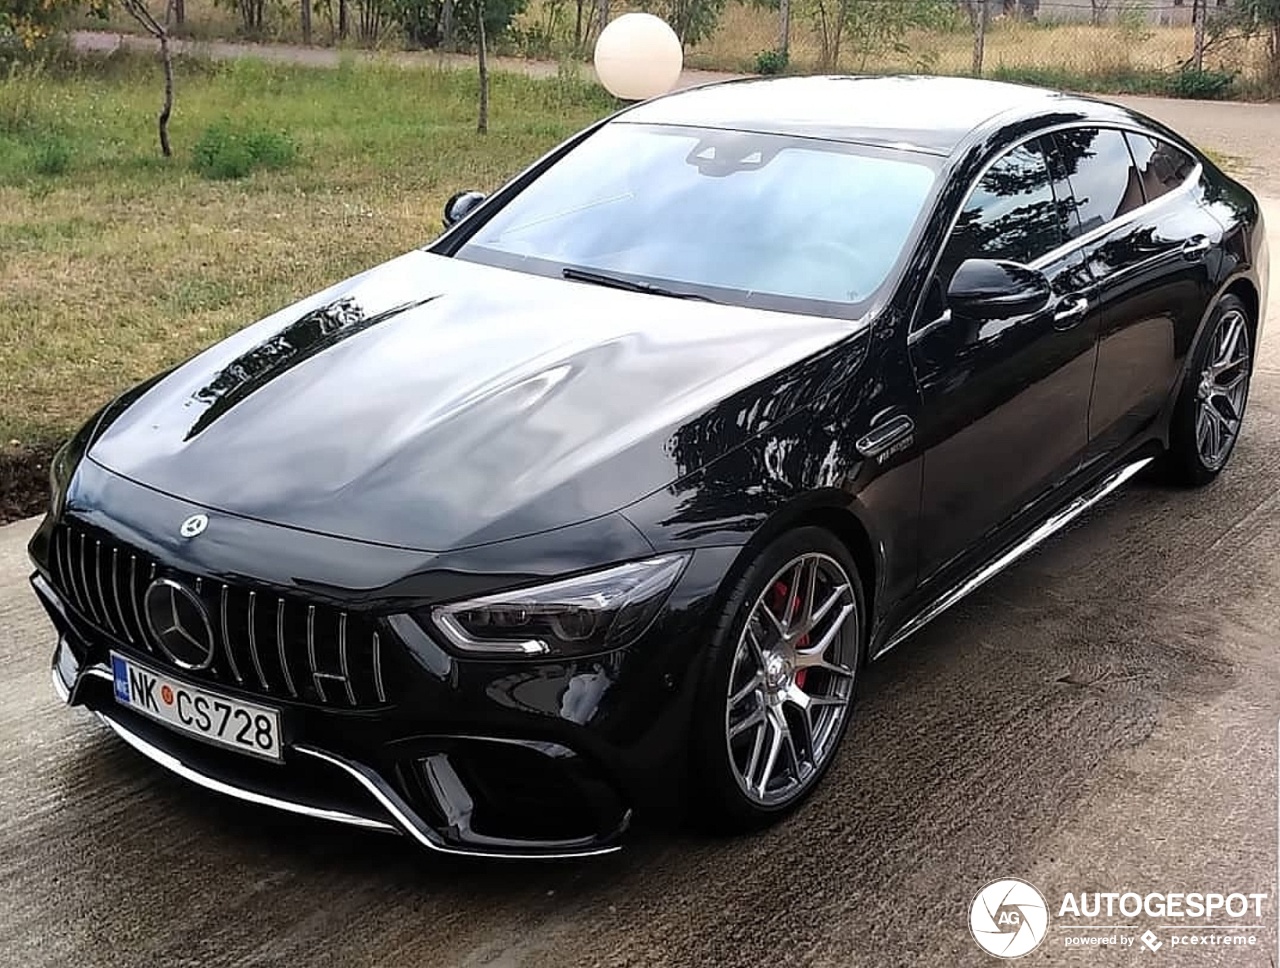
{"x": 1210, "y": 407}
{"x": 779, "y": 681}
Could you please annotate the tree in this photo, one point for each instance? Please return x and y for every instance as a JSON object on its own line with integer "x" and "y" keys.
{"x": 139, "y": 11}
{"x": 692, "y": 20}
{"x": 482, "y": 62}
{"x": 28, "y": 23}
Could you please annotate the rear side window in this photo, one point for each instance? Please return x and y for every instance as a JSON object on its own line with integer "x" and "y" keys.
{"x": 1104, "y": 181}
{"x": 1011, "y": 214}
{"x": 1161, "y": 167}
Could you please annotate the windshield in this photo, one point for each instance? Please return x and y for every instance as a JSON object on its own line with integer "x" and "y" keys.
{"x": 749, "y": 219}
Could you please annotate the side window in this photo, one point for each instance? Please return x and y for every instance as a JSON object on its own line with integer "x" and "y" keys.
{"x": 1161, "y": 166}
{"x": 1100, "y": 170}
{"x": 1011, "y": 214}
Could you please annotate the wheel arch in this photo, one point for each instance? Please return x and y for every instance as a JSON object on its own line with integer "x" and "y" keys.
{"x": 1244, "y": 289}
{"x": 833, "y": 511}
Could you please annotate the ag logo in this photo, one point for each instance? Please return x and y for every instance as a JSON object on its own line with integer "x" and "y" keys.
{"x": 1009, "y": 918}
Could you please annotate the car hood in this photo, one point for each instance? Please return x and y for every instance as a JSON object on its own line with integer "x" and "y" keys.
{"x": 435, "y": 404}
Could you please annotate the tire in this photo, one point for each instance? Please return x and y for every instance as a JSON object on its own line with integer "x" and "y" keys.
{"x": 754, "y": 676}
{"x": 1211, "y": 404}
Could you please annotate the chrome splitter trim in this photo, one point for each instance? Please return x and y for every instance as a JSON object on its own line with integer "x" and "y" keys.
{"x": 175, "y": 765}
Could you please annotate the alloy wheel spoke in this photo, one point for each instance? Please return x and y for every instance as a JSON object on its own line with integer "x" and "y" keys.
{"x": 756, "y": 718}
{"x": 794, "y": 597}
{"x": 814, "y": 655}
{"x": 793, "y": 754}
{"x": 753, "y": 684}
{"x": 821, "y": 611}
{"x": 771, "y": 760}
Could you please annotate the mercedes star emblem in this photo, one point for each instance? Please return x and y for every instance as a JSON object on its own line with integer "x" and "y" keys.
{"x": 179, "y": 623}
{"x": 194, "y": 525}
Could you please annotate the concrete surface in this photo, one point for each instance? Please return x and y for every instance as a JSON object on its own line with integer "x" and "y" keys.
{"x": 1103, "y": 717}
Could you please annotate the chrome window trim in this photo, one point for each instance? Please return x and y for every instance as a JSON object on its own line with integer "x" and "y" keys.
{"x": 915, "y": 331}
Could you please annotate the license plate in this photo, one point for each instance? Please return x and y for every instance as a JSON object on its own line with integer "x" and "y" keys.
{"x": 190, "y": 709}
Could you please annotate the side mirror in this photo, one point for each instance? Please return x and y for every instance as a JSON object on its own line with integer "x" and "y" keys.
{"x": 985, "y": 289}
{"x": 460, "y": 206}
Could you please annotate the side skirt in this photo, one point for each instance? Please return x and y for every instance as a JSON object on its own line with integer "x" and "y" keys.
{"x": 1053, "y": 524}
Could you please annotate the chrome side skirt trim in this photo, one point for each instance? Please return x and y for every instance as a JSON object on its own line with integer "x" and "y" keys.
{"x": 59, "y": 686}
{"x": 172, "y": 763}
{"x": 993, "y": 568}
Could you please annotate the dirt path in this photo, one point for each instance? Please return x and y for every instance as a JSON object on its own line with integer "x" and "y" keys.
{"x": 1247, "y": 135}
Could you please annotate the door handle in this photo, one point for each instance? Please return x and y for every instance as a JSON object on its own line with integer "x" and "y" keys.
{"x": 1196, "y": 246}
{"x": 883, "y": 436}
{"x": 1070, "y": 311}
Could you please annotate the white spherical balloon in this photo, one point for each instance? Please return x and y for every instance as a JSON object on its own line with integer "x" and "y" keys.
{"x": 638, "y": 56}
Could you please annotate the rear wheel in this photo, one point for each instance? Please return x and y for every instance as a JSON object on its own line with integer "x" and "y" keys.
{"x": 780, "y": 681}
{"x": 1210, "y": 407}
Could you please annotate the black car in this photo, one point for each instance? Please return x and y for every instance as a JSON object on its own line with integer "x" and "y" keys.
{"x": 599, "y": 504}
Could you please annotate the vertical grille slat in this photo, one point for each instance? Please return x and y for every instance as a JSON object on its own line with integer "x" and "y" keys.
{"x": 84, "y": 581}
{"x": 135, "y": 597}
{"x": 105, "y": 581}
{"x": 68, "y": 570}
{"x": 377, "y": 668}
{"x": 311, "y": 652}
{"x": 342, "y": 657}
{"x": 253, "y": 641}
{"x": 97, "y": 581}
{"x": 226, "y": 634}
{"x": 115, "y": 592}
{"x": 281, "y": 652}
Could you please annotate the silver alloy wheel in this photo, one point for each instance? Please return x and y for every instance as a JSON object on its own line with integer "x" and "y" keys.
{"x": 1223, "y": 389}
{"x": 792, "y": 678}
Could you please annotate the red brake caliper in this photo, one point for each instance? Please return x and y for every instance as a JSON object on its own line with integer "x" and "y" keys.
{"x": 779, "y": 600}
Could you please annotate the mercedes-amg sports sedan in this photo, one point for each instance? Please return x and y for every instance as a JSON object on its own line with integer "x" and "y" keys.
{"x": 598, "y": 505}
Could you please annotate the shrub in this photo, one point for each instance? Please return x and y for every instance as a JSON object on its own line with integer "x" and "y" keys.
{"x": 1209, "y": 85}
{"x": 51, "y": 155}
{"x": 226, "y": 152}
{"x": 771, "y": 61}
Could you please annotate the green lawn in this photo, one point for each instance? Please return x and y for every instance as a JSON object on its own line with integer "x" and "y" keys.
{"x": 115, "y": 263}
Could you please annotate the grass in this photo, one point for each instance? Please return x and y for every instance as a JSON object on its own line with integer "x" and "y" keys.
{"x": 115, "y": 263}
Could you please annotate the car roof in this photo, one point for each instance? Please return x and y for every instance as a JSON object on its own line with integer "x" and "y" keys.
{"x": 932, "y": 114}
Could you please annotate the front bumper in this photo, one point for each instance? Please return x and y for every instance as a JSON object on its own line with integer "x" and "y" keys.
{"x": 315, "y": 782}
{"x": 494, "y": 759}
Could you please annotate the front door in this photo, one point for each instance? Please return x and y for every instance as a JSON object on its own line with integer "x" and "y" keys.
{"x": 1005, "y": 403}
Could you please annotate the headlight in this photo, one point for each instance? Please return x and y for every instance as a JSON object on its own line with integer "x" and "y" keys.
{"x": 590, "y": 613}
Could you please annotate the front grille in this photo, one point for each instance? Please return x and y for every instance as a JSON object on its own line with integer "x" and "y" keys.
{"x": 273, "y": 645}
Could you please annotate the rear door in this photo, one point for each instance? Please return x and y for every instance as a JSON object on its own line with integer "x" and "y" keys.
{"x": 1004, "y": 404}
{"x": 1146, "y": 239}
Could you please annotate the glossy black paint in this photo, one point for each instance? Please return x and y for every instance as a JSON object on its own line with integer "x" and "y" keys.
{"x": 435, "y": 429}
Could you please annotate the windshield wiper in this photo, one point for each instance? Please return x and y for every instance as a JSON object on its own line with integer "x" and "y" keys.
{"x": 618, "y": 282}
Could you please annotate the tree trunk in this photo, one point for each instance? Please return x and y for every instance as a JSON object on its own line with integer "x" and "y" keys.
{"x": 344, "y": 25}
{"x": 482, "y": 57}
{"x": 306, "y": 21}
{"x": 447, "y": 25}
{"x": 784, "y": 25}
{"x": 602, "y": 16}
{"x": 1197, "y": 18}
{"x": 979, "y": 35}
{"x": 166, "y": 58}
